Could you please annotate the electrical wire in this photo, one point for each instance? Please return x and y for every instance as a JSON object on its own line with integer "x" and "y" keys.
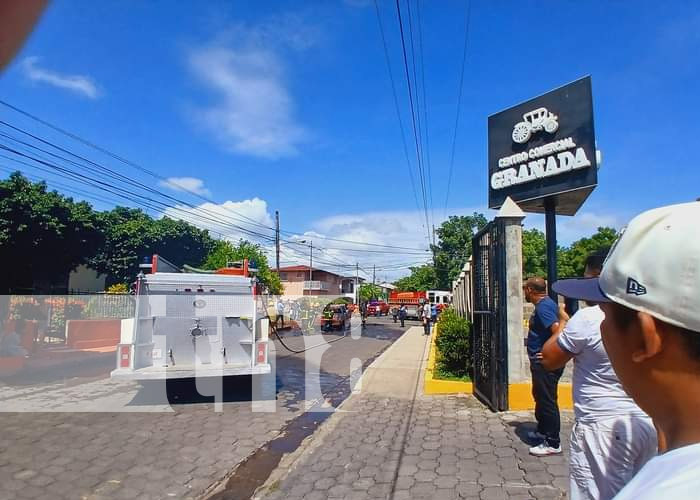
{"x": 459, "y": 104}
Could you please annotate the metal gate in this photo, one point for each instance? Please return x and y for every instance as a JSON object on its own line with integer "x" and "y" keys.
{"x": 490, "y": 334}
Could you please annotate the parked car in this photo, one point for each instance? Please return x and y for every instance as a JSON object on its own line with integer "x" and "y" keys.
{"x": 335, "y": 316}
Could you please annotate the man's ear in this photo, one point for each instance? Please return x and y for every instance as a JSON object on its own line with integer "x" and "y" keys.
{"x": 651, "y": 340}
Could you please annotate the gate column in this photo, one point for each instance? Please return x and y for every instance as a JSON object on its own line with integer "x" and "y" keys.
{"x": 512, "y": 217}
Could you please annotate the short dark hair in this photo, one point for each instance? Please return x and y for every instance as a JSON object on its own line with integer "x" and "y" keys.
{"x": 691, "y": 340}
{"x": 595, "y": 260}
{"x": 536, "y": 283}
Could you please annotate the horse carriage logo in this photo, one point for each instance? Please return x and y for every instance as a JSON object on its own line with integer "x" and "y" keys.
{"x": 534, "y": 121}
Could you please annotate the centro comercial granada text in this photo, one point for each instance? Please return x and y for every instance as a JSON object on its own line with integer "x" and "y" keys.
{"x": 539, "y": 162}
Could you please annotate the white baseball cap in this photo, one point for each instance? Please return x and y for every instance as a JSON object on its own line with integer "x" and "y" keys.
{"x": 653, "y": 267}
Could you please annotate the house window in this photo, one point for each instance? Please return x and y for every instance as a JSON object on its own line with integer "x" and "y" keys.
{"x": 300, "y": 275}
{"x": 283, "y": 276}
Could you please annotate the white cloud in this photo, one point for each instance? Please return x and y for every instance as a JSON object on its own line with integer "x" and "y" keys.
{"x": 187, "y": 184}
{"x": 79, "y": 84}
{"x": 220, "y": 219}
{"x": 253, "y": 111}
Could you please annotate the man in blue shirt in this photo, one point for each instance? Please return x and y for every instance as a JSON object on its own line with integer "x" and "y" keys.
{"x": 543, "y": 323}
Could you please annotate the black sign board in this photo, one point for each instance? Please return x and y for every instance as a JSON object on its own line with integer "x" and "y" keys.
{"x": 545, "y": 148}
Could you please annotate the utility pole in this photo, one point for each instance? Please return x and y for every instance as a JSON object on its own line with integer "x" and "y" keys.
{"x": 357, "y": 283}
{"x": 311, "y": 261}
{"x": 374, "y": 269}
{"x": 277, "y": 240}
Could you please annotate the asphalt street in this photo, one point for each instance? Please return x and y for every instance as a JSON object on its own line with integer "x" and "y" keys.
{"x": 77, "y": 434}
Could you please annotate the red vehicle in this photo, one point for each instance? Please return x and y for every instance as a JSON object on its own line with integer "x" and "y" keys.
{"x": 377, "y": 308}
{"x": 410, "y": 299}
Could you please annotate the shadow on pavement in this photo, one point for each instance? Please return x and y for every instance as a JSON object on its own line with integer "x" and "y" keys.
{"x": 521, "y": 430}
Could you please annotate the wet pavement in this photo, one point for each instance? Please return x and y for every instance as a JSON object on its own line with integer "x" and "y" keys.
{"x": 84, "y": 436}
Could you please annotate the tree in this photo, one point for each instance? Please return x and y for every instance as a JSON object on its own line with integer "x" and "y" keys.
{"x": 454, "y": 246}
{"x": 224, "y": 251}
{"x": 572, "y": 260}
{"x": 131, "y": 234}
{"x": 534, "y": 253}
{"x": 421, "y": 278}
{"x": 43, "y": 235}
{"x": 369, "y": 291}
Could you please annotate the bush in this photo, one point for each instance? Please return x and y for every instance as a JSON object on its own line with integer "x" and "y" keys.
{"x": 118, "y": 288}
{"x": 452, "y": 343}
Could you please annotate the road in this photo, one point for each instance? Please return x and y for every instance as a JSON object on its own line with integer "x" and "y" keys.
{"x": 88, "y": 437}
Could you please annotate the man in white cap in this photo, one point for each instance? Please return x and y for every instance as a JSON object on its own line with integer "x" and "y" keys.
{"x": 649, "y": 291}
{"x": 612, "y": 437}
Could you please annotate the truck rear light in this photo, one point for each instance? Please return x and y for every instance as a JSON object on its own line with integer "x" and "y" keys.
{"x": 261, "y": 355}
{"x": 124, "y": 356}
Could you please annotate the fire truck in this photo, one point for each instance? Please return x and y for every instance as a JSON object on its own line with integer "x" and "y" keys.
{"x": 195, "y": 324}
{"x": 410, "y": 299}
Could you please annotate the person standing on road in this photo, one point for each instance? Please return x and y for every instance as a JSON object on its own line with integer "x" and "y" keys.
{"x": 649, "y": 291}
{"x": 403, "y": 311}
{"x": 427, "y": 316}
{"x": 612, "y": 437}
{"x": 543, "y": 323}
{"x": 279, "y": 306}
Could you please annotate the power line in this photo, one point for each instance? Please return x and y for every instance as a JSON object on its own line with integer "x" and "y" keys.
{"x": 425, "y": 113}
{"x": 413, "y": 116}
{"x": 459, "y": 103}
{"x": 157, "y": 176}
{"x": 396, "y": 104}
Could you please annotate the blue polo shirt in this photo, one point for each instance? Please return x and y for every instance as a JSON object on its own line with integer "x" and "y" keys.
{"x": 545, "y": 315}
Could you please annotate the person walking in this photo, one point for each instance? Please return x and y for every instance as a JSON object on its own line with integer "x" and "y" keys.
{"x": 612, "y": 437}
{"x": 427, "y": 316}
{"x": 279, "y": 306}
{"x": 543, "y": 323}
{"x": 403, "y": 311}
{"x": 649, "y": 292}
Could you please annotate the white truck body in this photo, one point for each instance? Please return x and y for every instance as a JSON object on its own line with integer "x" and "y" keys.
{"x": 194, "y": 325}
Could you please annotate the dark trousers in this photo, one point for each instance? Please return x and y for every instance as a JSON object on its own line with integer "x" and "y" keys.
{"x": 426, "y": 327}
{"x": 544, "y": 392}
{"x": 280, "y": 317}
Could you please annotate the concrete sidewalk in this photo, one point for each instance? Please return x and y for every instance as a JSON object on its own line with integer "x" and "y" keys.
{"x": 390, "y": 441}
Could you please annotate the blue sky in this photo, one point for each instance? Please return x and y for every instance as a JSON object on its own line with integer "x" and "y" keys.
{"x": 287, "y": 105}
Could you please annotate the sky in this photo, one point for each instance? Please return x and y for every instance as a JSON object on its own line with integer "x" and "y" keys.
{"x": 288, "y": 106}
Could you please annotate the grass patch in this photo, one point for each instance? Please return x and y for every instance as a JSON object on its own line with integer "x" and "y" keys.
{"x": 441, "y": 374}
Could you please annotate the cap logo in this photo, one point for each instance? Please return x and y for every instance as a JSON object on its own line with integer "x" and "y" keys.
{"x": 635, "y": 288}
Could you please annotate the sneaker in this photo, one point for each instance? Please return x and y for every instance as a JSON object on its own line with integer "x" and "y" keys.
{"x": 543, "y": 450}
{"x": 535, "y": 436}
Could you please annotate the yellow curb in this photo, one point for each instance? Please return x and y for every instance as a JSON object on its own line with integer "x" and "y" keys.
{"x": 519, "y": 395}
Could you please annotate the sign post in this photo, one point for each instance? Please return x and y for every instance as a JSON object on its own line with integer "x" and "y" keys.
{"x": 542, "y": 155}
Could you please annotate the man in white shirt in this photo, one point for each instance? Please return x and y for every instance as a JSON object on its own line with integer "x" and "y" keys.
{"x": 426, "y": 317}
{"x": 649, "y": 291}
{"x": 612, "y": 437}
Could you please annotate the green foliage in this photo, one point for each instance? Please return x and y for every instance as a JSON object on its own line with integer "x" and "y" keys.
{"x": 454, "y": 247}
{"x": 224, "y": 252}
{"x": 572, "y": 260}
{"x": 118, "y": 288}
{"x": 369, "y": 291}
{"x": 452, "y": 344}
{"x": 421, "y": 278}
{"x": 43, "y": 235}
{"x": 534, "y": 253}
{"x": 131, "y": 234}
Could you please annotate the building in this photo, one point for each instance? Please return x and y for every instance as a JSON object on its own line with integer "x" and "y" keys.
{"x": 295, "y": 281}
{"x": 347, "y": 286}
